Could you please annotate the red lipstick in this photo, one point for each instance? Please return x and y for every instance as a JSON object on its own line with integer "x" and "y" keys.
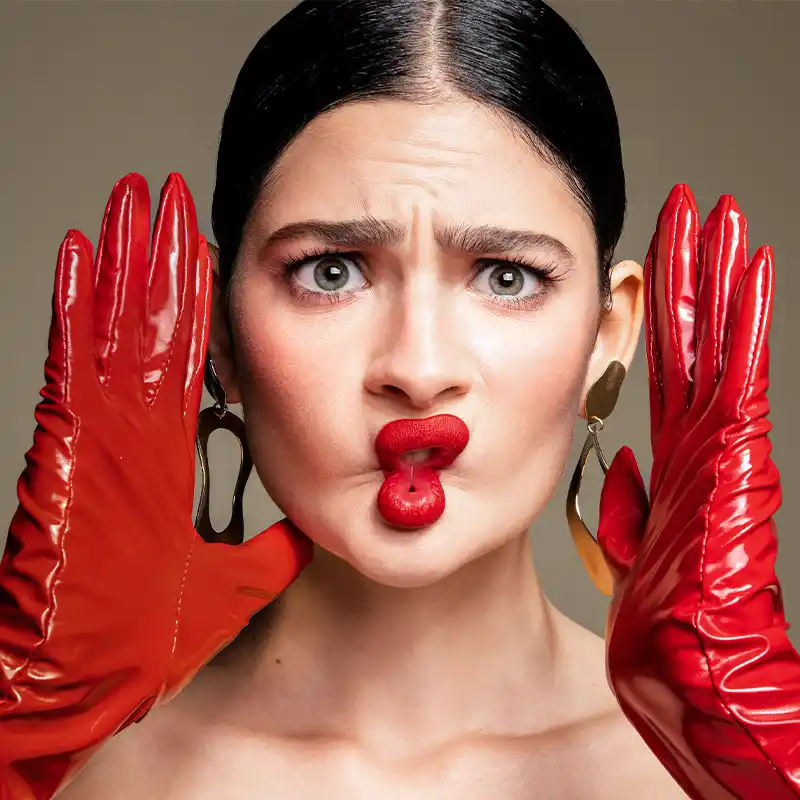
{"x": 411, "y": 452}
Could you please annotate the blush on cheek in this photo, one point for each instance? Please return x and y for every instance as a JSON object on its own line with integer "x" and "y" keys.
{"x": 541, "y": 385}
{"x": 303, "y": 407}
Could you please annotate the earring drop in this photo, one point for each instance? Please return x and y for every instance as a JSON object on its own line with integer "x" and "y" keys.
{"x": 600, "y": 402}
{"x": 211, "y": 419}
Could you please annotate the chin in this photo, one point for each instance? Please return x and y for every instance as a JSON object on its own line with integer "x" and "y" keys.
{"x": 407, "y": 559}
{"x": 403, "y": 559}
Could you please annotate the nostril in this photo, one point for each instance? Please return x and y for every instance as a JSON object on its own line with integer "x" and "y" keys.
{"x": 419, "y": 392}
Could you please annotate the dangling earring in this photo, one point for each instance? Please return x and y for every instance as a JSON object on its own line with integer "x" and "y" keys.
{"x": 600, "y": 402}
{"x": 212, "y": 419}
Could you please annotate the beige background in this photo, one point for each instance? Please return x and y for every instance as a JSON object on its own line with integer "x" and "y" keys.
{"x": 707, "y": 94}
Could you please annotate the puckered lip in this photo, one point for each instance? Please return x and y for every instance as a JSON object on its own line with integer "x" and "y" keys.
{"x": 444, "y": 435}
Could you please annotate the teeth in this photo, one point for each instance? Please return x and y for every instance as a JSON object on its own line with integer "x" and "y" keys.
{"x": 418, "y": 456}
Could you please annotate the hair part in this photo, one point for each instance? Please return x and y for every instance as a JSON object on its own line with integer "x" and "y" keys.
{"x": 518, "y": 58}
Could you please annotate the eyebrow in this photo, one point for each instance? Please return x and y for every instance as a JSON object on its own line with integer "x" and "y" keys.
{"x": 370, "y": 232}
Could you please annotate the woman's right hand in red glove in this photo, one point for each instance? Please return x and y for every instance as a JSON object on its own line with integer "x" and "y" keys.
{"x": 110, "y": 602}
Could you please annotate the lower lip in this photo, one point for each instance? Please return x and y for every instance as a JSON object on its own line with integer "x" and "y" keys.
{"x": 411, "y": 498}
{"x": 412, "y": 495}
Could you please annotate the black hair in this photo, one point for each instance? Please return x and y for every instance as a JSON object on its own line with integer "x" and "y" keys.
{"x": 515, "y": 56}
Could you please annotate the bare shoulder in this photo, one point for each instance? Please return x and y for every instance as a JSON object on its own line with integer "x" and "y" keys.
{"x": 617, "y": 762}
{"x": 628, "y": 767}
{"x": 124, "y": 768}
{"x": 141, "y": 761}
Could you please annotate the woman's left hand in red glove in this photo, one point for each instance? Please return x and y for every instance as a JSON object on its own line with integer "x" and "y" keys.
{"x": 697, "y": 650}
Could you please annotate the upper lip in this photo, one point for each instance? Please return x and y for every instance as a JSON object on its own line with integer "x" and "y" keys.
{"x": 444, "y": 434}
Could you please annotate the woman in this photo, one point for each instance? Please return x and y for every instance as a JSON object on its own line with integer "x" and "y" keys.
{"x": 417, "y": 206}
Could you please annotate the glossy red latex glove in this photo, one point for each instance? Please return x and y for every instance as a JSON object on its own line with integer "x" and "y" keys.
{"x": 698, "y": 655}
{"x": 109, "y": 600}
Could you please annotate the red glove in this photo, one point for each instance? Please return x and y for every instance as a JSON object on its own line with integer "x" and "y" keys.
{"x": 109, "y": 600}
{"x": 698, "y": 655}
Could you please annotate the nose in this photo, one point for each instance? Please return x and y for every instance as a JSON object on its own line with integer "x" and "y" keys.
{"x": 422, "y": 359}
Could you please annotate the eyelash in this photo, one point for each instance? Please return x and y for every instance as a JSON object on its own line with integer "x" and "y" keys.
{"x": 546, "y": 273}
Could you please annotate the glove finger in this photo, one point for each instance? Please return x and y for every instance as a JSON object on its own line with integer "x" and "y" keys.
{"x": 71, "y": 340}
{"x": 172, "y": 284}
{"x": 200, "y": 327}
{"x": 121, "y": 285}
{"x": 164, "y": 285}
{"x": 623, "y": 514}
{"x": 651, "y": 344}
{"x": 745, "y": 374}
{"x": 674, "y": 283}
{"x": 724, "y": 259}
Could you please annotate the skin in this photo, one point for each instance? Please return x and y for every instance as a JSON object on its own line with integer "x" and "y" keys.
{"x": 425, "y": 664}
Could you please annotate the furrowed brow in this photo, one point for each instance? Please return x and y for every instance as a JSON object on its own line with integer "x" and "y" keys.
{"x": 367, "y": 232}
{"x": 370, "y": 232}
{"x": 493, "y": 239}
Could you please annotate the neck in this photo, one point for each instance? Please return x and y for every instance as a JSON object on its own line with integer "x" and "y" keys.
{"x": 349, "y": 659}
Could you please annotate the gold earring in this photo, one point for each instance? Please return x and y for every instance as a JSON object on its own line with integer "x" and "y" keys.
{"x": 212, "y": 419}
{"x": 600, "y": 402}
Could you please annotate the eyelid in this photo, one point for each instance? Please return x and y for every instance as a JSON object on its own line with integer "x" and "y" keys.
{"x": 295, "y": 260}
{"x": 544, "y": 270}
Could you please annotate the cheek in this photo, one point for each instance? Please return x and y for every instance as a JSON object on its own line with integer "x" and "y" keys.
{"x": 534, "y": 376}
{"x": 299, "y": 378}
{"x": 538, "y": 373}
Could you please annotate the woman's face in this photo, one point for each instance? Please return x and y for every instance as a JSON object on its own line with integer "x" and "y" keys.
{"x": 404, "y": 261}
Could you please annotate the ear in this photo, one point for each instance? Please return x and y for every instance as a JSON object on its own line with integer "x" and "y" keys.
{"x": 618, "y": 332}
{"x": 220, "y": 346}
